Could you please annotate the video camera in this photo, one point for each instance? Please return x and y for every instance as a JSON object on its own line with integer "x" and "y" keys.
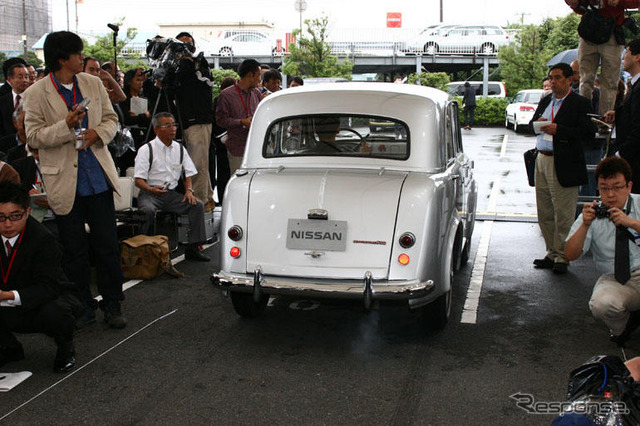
{"x": 165, "y": 54}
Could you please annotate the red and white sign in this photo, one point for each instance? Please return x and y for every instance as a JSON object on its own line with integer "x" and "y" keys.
{"x": 394, "y": 20}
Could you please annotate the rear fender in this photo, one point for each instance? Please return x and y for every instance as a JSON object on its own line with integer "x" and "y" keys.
{"x": 234, "y": 212}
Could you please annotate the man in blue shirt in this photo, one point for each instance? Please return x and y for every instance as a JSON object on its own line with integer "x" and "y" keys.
{"x": 78, "y": 171}
{"x": 616, "y": 295}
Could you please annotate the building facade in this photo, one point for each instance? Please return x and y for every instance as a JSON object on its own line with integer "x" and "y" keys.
{"x": 13, "y": 16}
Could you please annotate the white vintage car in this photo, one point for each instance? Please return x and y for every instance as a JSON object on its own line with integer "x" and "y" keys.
{"x": 322, "y": 207}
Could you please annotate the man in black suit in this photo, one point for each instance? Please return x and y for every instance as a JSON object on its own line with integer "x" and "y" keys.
{"x": 6, "y": 88}
{"x": 626, "y": 116}
{"x": 18, "y": 76}
{"x": 560, "y": 165}
{"x": 33, "y": 295}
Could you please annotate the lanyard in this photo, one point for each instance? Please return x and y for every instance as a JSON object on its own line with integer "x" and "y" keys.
{"x": 60, "y": 93}
{"x": 246, "y": 110}
{"x": 5, "y": 277}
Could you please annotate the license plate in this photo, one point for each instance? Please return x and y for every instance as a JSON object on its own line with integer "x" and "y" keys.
{"x": 306, "y": 234}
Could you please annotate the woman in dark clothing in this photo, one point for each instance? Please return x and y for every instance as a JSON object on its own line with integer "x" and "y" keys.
{"x": 136, "y": 120}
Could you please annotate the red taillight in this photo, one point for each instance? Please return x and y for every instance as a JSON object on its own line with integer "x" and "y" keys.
{"x": 524, "y": 108}
{"x": 407, "y": 240}
{"x": 403, "y": 259}
{"x": 234, "y": 252}
{"x": 235, "y": 233}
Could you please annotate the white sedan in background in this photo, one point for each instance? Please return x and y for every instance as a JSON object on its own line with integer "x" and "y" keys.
{"x": 322, "y": 207}
{"x": 244, "y": 44}
{"x": 519, "y": 112}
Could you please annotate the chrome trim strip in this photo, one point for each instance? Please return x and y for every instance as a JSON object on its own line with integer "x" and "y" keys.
{"x": 352, "y": 289}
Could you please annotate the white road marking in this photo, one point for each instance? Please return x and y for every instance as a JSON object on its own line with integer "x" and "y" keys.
{"x": 503, "y": 150}
{"x": 72, "y": 373}
{"x": 470, "y": 310}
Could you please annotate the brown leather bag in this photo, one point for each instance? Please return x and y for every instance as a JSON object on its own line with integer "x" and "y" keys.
{"x": 145, "y": 257}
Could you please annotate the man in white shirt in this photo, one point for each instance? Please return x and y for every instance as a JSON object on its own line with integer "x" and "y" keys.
{"x": 158, "y": 169}
{"x": 606, "y": 231}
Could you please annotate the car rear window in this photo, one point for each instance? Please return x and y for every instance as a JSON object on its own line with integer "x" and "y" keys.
{"x": 337, "y": 136}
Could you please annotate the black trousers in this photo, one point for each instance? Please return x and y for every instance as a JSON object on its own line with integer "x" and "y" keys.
{"x": 54, "y": 318}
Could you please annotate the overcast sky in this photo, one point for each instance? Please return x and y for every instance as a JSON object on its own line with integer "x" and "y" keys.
{"x": 93, "y": 15}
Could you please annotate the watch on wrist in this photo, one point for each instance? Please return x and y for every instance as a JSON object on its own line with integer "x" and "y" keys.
{"x": 189, "y": 189}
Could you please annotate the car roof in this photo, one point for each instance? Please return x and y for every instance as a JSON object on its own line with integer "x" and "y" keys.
{"x": 421, "y": 108}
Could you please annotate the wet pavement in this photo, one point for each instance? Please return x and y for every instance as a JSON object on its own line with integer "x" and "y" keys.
{"x": 187, "y": 358}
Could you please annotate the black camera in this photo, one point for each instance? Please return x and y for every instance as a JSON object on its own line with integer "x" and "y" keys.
{"x": 602, "y": 210}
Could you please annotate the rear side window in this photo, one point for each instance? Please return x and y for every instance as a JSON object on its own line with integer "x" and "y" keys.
{"x": 337, "y": 136}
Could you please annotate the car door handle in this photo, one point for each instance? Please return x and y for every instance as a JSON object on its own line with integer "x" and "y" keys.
{"x": 454, "y": 177}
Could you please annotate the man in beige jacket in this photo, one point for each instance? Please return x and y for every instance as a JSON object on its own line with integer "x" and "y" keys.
{"x": 78, "y": 171}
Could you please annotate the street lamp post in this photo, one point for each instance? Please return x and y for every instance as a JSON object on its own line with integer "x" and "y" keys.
{"x": 301, "y": 6}
{"x": 24, "y": 29}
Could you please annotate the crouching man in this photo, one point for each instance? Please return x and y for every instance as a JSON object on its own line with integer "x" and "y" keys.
{"x": 158, "y": 169}
{"x": 32, "y": 298}
{"x": 611, "y": 231}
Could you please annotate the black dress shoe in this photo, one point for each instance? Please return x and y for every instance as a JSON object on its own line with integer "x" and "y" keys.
{"x": 632, "y": 324}
{"x": 65, "y": 358}
{"x": 11, "y": 353}
{"x": 560, "y": 268}
{"x": 195, "y": 254}
{"x": 544, "y": 263}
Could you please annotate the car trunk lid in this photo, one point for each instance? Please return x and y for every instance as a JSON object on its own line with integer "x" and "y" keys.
{"x": 324, "y": 223}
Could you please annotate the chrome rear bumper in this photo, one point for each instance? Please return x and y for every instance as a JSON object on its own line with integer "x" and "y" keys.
{"x": 366, "y": 289}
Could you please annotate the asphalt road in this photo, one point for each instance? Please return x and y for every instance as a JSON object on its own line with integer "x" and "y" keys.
{"x": 187, "y": 358}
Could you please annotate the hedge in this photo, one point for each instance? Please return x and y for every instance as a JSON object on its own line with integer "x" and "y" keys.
{"x": 489, "y": 111}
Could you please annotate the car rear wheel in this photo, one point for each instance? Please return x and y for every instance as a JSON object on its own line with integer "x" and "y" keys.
{"x": 226, "y": 51}
{"x": 438, "y": 312}
{"x": 488, "y": 49}
{"x": 518, "y": 128}
{"x": 246, "y": 306}
{"x": 507, "y": 124}
{"x": 431, "y": 49}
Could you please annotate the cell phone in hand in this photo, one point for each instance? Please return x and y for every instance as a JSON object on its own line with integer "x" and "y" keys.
{"x": 83, "y": 105}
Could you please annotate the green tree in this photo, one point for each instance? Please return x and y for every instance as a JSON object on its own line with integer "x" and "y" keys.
{"x": 439, "y": 80}
{"x": 219, "y": 75}
{"x": 312, "y": 56}
{"x": 562, "y": 33}
{"x": 32, "y": 59}
{"x": 523, "y": 62}
{"x": 3, "y": 58}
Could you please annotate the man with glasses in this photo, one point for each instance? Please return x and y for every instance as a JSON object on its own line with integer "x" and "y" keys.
{"x": 32, "y": 282}
{"x": 78, "y": 170}
{"x": 158, "y": 168}
{"x": 611, "y": 230}
{"x": 626, "y": 115}
{"x": 560, "y": 165}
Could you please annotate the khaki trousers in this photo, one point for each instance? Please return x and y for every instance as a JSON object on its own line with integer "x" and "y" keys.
{"x": 611, "y": 301}
{"x": 556, "y": 207}
{"x": 234, "y": 163}
{"x": 589, "y": 57}
{"x": 197, "y": 139}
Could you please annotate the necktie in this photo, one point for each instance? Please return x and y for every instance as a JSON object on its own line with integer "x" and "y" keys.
{"x": 621, "y": 269}
{"x": 9, "y": 248}
{"x": 15, "y": 107}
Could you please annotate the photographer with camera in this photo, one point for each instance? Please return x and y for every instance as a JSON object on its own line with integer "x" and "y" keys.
{"x": 194, "y": 101}
{"x": 601, "y": 42}
{"x": 610, "y": 229}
